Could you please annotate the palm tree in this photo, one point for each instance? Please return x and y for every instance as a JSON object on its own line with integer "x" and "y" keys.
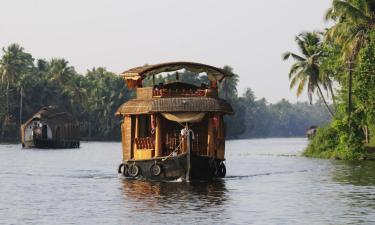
{"x": 13, "y": 64}
{"x": 62, "y": 76}
{"x": 353, "y": 21}
{"x": 228, "y": 86}
{"x": 306, "y": 69}
{"x": 59, "y": 71}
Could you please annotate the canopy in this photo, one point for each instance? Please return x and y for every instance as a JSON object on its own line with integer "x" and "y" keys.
{"x": 188, "y": 117}
{"x": 213, "y": 73}
{"x": 53, "y": 116}
{"x": 174, "y": 105}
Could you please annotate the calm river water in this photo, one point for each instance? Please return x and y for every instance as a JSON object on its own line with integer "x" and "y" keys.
{"x": 267, "y": 183}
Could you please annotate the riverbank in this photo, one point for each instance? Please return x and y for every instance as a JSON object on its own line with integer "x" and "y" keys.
{"x": 329, "y": 143}
{"x": 367, "y": 154}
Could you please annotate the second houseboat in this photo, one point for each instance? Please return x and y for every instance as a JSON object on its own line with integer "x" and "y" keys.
{"x": 50, "y": 128}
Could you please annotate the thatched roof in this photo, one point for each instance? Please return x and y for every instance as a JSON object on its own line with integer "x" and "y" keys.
{"x": 181, "y": 104}
{"x": 53, "y": 117}
{"x": 213, "y": 73}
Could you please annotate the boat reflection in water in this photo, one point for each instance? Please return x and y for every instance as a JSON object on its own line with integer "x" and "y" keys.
{"x": 175, "y": 197}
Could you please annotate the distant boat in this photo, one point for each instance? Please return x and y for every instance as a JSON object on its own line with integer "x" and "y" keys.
{"x": 174, "y": 130}
{"x": 311, "y": 132}
{"x": 50, "y": 128}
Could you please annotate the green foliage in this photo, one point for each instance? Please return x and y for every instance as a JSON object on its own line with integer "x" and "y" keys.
{"x": 337, "y": 140}
{"x": 349, "y": 60}
{"x": 324, "y": 143}
{"x": 364, "y": 82}
{"x": 306, "y": 72}
{"x": 184, "y": 76}
{"x": 94, "y": 97}
{"x": 281, "y": 119}
{"x": 228, "y": 87}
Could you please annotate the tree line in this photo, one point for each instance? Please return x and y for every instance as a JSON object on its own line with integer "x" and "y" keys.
{"x": 28, "y": 84}
{"x": 342, "y": 56}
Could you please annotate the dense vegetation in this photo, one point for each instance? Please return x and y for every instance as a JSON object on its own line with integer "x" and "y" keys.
{"x": 27, "y": 85}
{"x": 343, "y": 55}
{"x": 256, "y": 118}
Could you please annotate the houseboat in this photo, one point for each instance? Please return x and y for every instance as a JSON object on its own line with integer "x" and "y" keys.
{"x": 50, "y": 128}
{"x": 174, "y": 130}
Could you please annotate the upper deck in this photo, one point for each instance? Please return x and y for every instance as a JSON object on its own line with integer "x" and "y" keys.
{"x": 169, "y": 92}
{"x": 174, "y": 96}
{"x": 139, "y": 73}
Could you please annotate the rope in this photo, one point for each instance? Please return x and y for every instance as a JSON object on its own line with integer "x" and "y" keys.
{"x": 179, "y": 145}
{"x": 174, "y": 151}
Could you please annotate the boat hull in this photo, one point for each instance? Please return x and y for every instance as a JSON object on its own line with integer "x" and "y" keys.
{"x": 40, "y": 143}
{"x": 174, "y": 168}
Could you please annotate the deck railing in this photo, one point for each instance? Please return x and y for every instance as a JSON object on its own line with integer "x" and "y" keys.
{"x": 145, "y": 143}
{"x": 179, "y": 93}
{"x": 149, "y": 92}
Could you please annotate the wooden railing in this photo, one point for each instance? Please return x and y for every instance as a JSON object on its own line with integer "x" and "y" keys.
{"x": 145, "y": 148}
{"x": 179, "y": 93}
{"x": 149, "y": 92}
{"x": 145, "y": 143}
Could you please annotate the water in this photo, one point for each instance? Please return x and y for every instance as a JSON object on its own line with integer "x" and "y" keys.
{"x": 267, "y": 183}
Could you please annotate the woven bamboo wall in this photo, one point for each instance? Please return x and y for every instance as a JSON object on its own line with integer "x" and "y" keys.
{"x": 144, "y": 93}
{"x": 126, "y": 138}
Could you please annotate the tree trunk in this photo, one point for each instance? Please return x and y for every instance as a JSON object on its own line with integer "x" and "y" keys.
{"x": 4, "y": 125}
{"x": 332, "y": 95}
{"x": 21, "y": 95}
{"x": 7, "y": 104}
{"x": 89, "y": 128}
{"x": 324, "y": 100}
{"x": 350, "y": 83}
{"x": 365, "y": 131}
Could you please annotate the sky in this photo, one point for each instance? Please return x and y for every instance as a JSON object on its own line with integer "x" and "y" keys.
{"x": 248, "y": 35}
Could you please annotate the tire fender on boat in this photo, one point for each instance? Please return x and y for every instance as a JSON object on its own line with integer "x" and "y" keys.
{"x": 221, "y": 170}
{"x": 123, "y": 169}
{"x": 133, "y": 170}
{"x": 155, "y": 169}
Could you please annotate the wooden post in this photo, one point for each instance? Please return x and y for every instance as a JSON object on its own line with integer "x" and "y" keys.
{"x": 188, "y": 152}
{"x": 210, "y": 138}
{"x": 220, "y": 153}
{"x": 135, "y": 134}
{"x": 158, "y": 133}
{"x": 126, "y": 138}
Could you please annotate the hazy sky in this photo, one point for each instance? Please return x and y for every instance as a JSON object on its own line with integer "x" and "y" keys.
{"x": 248, "y": 35}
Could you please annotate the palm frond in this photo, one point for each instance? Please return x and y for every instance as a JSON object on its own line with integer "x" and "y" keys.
{"x": 301, "y": 85}
{"x": 349, "y": 11}
{"x": 330, "y": 15}
{"x": 295, "y": 68}
{"x": 286, "y": 56}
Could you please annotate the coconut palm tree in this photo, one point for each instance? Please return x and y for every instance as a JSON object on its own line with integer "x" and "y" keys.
{"x": 306, "y": 70}
{"x": 228, "y": 86}
{"x": 60, "y": 72}
{"x": 14, "y": 63}
{"x": 353, "y": 21}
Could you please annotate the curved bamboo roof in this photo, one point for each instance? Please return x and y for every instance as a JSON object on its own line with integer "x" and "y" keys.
{"x": 53, "y": 116}
{"x": 213, "y": 73}
{"x": 181, "y": 104}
